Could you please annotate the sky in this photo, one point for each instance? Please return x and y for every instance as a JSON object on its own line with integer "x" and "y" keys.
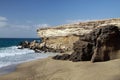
{"x": 21, "y": 18}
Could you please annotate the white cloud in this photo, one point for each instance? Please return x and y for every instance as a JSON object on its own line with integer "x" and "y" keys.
{"x": 3, "y": 24}
{"x": 18, "y": 30}
{"x": 21, "y": 30}
{"x": 3, "y": 18}
{"x": 3, "y": 21}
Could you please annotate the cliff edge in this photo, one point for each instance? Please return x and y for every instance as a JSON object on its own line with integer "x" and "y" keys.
{"x": 79, "y": 28}
{"x": 83, "y": 41}
{"x": 61, "y": 38}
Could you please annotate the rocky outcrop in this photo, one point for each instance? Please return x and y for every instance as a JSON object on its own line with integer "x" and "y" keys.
{"x": 79, "y": 28}
{"x": 24, "y": 44}
{"x": 96, "y": 46}
{"x": 82, "y": 51}
{"x": 61, "y": 38}
{"x": 29, "y": 44}
{"x": 106, "y": 43}
{"x": 56, "y": 44}
{"x": 93, "y": 40}
{"x": 59, "y": 44}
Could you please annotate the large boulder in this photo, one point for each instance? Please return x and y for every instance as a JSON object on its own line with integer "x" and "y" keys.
{"x": 62, "y": 57}
{"x": 82, "y": 52}
{"x": 107, "y": 42}
{"x": 33, "y": 44}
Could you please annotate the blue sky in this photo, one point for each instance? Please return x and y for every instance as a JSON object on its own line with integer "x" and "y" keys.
{"x": 21, "y": 18}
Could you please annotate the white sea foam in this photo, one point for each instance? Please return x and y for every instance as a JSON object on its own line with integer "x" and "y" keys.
{"x": 12, "y": 51}
{"x": 12, "y": 55}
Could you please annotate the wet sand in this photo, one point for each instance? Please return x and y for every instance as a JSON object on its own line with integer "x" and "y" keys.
{"x": 7, "y": 69}
{"x": 49, "y": 69}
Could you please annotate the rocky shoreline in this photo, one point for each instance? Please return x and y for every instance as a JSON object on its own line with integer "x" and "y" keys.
{"x": 59, "y": 44}
{"x": 88, "y": 41}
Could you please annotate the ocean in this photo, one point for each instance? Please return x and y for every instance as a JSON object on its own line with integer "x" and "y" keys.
{"x": 10, "y": 54}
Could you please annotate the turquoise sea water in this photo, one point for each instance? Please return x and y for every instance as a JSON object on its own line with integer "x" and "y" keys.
{"x": 10, "y": 54}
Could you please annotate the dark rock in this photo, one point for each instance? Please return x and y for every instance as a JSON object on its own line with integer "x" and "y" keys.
{"x": 37, "y": 50}
{"x": 24, "y": 44}
{"x": 62, "y": 57}
{"x": 82, "y": 51}
{"x": 97, "y": 45}
{"x": 32, "y": 44}
{"x": 106, "y": 43}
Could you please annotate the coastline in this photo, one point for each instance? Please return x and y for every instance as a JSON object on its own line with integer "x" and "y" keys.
{"x": 49, "y": 69}
{"x": 12, "y": 67}
{"x": 84, "y": 49}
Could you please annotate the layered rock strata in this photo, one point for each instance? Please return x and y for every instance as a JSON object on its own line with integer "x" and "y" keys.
{"x": 56, "y": 44}
{"x": 79, "y": 28}
{"x": 61, "y": 38}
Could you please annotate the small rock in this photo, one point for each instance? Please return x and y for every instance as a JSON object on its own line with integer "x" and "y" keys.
{"x": 62, "y": 57}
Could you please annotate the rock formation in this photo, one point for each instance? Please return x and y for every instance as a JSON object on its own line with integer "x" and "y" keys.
{"x": 84, "y": 41}
{"x": 61, "y": 38}
{"x": 56, "y": 44}
{"x": 24, "y": 44}
{"x": 96, "y": 46}
{"x": 79, "y": 28}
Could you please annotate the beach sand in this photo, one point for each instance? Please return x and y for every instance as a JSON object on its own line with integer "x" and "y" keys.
{"x": 7, "y": 69}
{"x": 49, "y": 69}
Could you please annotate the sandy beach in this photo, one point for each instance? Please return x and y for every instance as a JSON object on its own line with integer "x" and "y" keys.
{"x": 59, "y": 39}
{"x": 49, "y": 69}
{"x": 7, "y": 69}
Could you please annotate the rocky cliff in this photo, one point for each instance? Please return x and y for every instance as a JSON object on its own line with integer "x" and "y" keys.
{"x": 61, "y": 38}
{"x": 84, "y": 41}
{"x": 79, "y": 28}
{"x": 101, "y": 44}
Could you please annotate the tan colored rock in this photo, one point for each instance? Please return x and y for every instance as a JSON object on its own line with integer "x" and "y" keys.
{"x": 33, "y": 44}
{"x": 61, "y": 38}
{"x": 79, "y": 28}
{"x": 64, "y": 43}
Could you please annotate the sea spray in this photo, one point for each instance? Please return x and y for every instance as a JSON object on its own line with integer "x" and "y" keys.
{"x": 13, "y": 55}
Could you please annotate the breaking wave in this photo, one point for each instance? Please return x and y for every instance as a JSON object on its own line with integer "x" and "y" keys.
{"x": 12, "y": 55}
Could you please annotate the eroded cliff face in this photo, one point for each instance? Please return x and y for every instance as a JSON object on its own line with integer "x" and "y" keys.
{"x": 80, "y": 28}
{"x": 58, "y": 44}
{"x": 61, "y": 38}
{"x": 102, "y": 44}
{"x": 87, "y": 41}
